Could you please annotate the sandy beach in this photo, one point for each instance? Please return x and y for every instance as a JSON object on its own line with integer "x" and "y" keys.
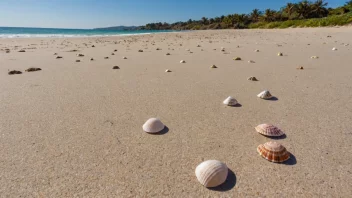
{"x": 74, "y": 129}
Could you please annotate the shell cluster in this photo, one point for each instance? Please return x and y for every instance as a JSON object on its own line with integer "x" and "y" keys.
{"x": 273, "y": 152}
{"x": 211, "y": 173}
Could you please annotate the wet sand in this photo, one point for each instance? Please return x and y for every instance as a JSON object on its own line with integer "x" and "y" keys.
{"x": 74, "y": 129}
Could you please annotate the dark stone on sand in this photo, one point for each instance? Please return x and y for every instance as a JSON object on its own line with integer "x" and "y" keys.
{"x": 115, "y": 50}
{"x": 116, "y": 67}
{"x": 33, "y": 69}
{"x": 77, "y": 61}
{"x": 58, "y": 57}
{"x": 13, "y": 72}
{"x": 106, "y": 57}
{"x": 93, "y": 45}
{"x": 140, "y": 50}
{"x": 112, "y": 54}
{"x": 92, "y": 59}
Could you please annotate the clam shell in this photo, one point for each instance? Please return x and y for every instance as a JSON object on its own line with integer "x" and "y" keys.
{"x": 237, "y": 58}
{"x": 167, "y": 70}
{"x": 230, "y": 101}
{"x": 334, "y": 49}
{"x": 280, "y": 54}
{"x": 182, "y": 61}
{"x": 211, "y": 173}
{"x": 265, "y": 95}
{"x": 269, "y": 130}
{"x": 273, "y": 152}
{"x": 256, "y": 50}
{"x": 153, "y": 125}
{"x": 213, "y": 67}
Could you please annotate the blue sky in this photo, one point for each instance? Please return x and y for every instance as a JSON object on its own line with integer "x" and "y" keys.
{"x": 104, "y": 13}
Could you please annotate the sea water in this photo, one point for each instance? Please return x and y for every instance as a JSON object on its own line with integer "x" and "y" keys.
{"x": 20, "y": 32}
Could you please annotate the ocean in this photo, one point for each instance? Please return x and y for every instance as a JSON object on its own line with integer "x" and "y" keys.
{"x": 19, "y": 32}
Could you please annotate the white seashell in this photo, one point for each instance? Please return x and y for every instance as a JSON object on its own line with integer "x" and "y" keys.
{"x": 211, "y": 173}
{"x": 153, "y": 125}
{"x": 265, "y": 95}
{"x": 256, "y": 50}
{"x": 182, "y": 61}
{"x": 167, "y": 70}
{"x": 230, "y": 101}
{"x": 334, "y": 49}
{"x": 314, "y": 57}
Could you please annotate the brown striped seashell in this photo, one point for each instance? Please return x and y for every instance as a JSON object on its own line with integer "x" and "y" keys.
{"x": 153, "y": 125}
{"x": 211, "y": 173}
{"x": 269, "y": 130}
{"x": 273, "y": 152}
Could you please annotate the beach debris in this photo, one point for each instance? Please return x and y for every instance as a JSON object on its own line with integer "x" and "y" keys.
{"x": 153, "y": 125}
{"x": 77, "y": 61}
{"x": 222, "y": 49}
{"x": 329, "y": 36}
{"x": 106, "y": 57}
{"x": 167, "y": 71}
{"x": 55, "y": 54}
{"x": 334, "y": 49}
{"x": 22, "y": 50}
{"x": 252, "y": 78}
{"x": 72, "y": 50}
{"x": 300, "y": 68}
{"x": 273, "y": 152}
{"x": 213, "y": 67}
{"x": 265, "y": 95}
{"x": 80, "y": 55}
{"x": 116, "y": 67}
{"x": 158, "y": 49}
{"x": 124, "y": 57}
{"x": 256, "y": 50}
{"x": 33, "y": 69}
{"x": 58, "y": 57}
{"x": 237, "y": 58}
{"x": 314, "y": 57}
{"x": 269, "y": 130}
{"x": 112, "y": 54}
{"x": 211, "y": 173}
{"x": 198, "y": 46}
{"x": 115, "y": 50}
{"x": 230, "y": 101}
{"x": 7, "y": 50}
{"x": 182, "y": 61}
{"x": 251, "y": 61}
{"x": 347, "y": 44}
{"x": 92, "y": 59}
{"x": 140, "y": 50}
{"x": 13, "y": 72}
{"x": 168, "y": 54}
{"x": 93, "y": 45}
{"x": 280, "y": 54}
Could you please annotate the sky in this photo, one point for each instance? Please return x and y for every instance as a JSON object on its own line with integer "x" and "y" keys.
{"x": 84, "y": 14}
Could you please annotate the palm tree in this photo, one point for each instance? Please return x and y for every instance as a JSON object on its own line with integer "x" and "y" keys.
{"x": 204, "y": 21}
{"x": 255, "y": 14}
{"x": 290, "y": 9}
{"x": 269, "y": 15}
{"x": 211, "y": 21}
{"x": 303, "y": 9}
{"x": 348, "y": 3}
{"x": 217, "y": 19}
{"x": 318, "y": 8}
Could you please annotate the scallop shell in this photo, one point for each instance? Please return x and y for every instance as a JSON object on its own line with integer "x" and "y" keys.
{"x": 273, "y": 152}
{"x": 211, "y": 173}
{"x": 230, "y": 101}
{"x": 269, "y": 130}
{"x": 153, "y": 125}
{"x": 265, "y": 95}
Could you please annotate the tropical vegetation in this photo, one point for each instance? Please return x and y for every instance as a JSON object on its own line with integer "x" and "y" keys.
{"x": 302, "y": 14}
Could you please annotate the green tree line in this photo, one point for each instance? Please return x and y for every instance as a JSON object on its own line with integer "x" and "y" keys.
{"x": 302, "y": 10}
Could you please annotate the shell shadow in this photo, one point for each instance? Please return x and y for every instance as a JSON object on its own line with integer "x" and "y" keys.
{"x": 237, "y": 105}
{"x": 292, "y": 161}
{"x": 273, "y": 98}
{"x": 279, "y": 137}
{"x": 162, "y": 132}
{"x": 228, "y": 184}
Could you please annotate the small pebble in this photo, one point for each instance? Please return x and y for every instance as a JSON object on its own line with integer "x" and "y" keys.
{"x": 116, "y": 67}
{"x": 13, "y": 72}
{"x": 33, "y": 69}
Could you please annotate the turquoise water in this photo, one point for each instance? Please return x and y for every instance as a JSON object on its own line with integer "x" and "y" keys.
{"x": 18, "y": 32}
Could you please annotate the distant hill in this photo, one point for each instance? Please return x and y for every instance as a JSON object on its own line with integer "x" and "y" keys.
{"x": 121, "y": 28}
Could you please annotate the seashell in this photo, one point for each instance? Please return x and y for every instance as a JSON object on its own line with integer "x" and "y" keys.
{"x": 158, "y": 49}
{"x": 168, "y": 54}
{"x": 198, "y": 45}
{"x": 273, "y": 152}
{"x": 252, "y": 78}
{"x": 106, "y": 57}
{"x": 153, "y": 125}
{"x": 77, "y": 61}
{"x": 213, "y": 67}
{"x": 222, "y": 49}
{"x": 251, "y": 61}
{"x": 32, "y": 69}
{"x": 124, "y": 57}
{"x": 93, "y": 45}
{"x": 334, "y": 49}
{"x": 314, "y": 57}
{"x": 167, "y": 70}
{"x": 256, "y": 50}
{"x": 280, "y": 54}
{"x": 265, "y": 95}
{"x": 140, "y": 50}
{"x": 22, "y": 50}
{"x": 269, "y": 130}
{"x": 14, "y": 72}
{"x": 182, "y": 61}
{"x": 58, "y": 57}
{"x": 80, "y": 55}
{"x": 55, "y": 54}
{"x": 211, "y": 173}
{"x": 230, "y": 101}
{"x": 112, "y": 53}
{"x": 300, "y": 68}
{"x": 116, "y": 67}
{"x": 237, "y": 58}
{"x": 347, "y": 45}
{"x": 92, "y": 59}
{"x": 115, "y": 50}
